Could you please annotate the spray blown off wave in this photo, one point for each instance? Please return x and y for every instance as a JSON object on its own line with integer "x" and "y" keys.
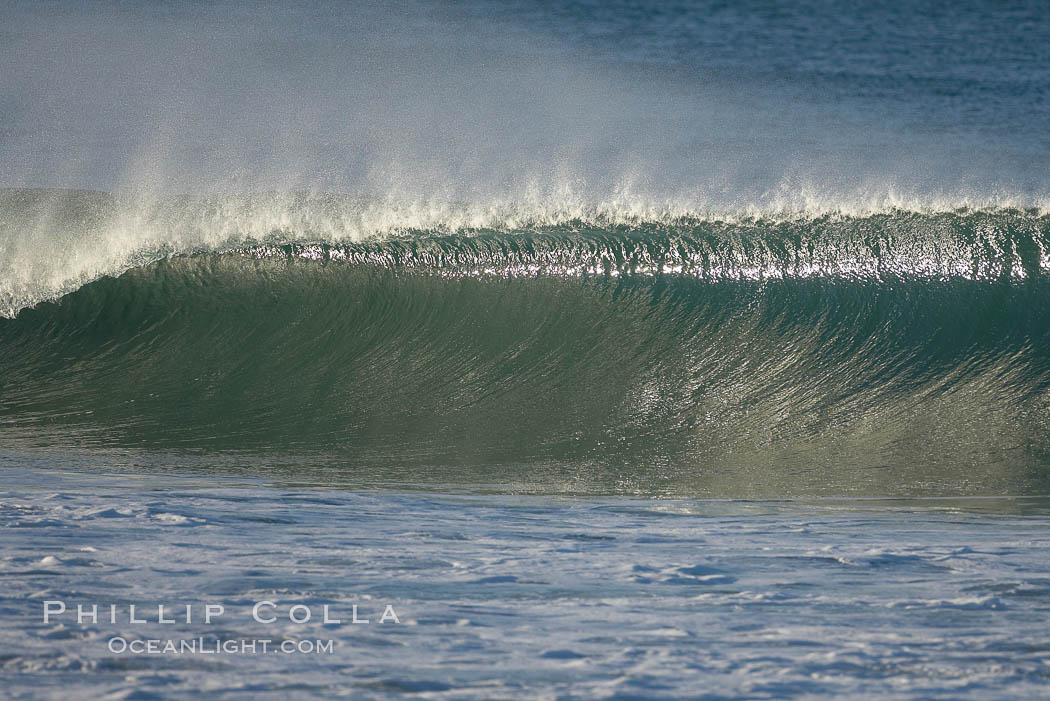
{"x": 890, "y": 353}
{"x": 54, "y": 241}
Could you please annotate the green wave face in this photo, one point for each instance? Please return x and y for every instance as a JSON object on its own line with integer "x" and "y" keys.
{"x": 886, "y": 355}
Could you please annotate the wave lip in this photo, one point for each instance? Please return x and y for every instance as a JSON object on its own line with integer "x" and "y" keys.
{"x": 988, "y": 246}
{"x": 56, "y": 241}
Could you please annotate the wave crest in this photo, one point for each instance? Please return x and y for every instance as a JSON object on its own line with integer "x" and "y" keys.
{"x": 56, "y": 241}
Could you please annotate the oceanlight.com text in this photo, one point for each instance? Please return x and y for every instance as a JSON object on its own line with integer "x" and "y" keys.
{"x": 211, "y": 646}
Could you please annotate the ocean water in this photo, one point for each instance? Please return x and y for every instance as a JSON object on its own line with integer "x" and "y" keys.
{"x": 509, "y": 597}
{"x": 590, "y": 349}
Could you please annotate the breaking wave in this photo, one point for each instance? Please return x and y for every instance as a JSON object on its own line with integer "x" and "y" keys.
{"x": 880, "y": 353}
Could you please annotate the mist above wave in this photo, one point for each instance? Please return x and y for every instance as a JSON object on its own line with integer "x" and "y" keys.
{"x": 419, "y": 102}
